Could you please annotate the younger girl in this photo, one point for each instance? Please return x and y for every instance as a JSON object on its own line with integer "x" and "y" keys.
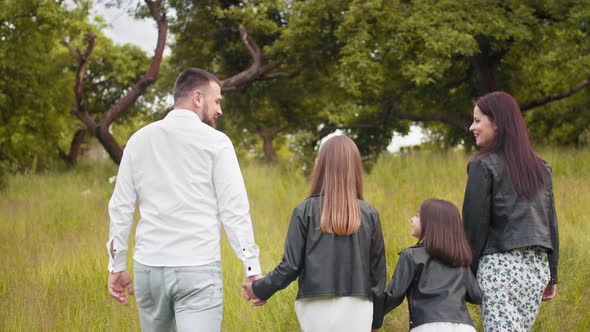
{"x": 434, "y": 274}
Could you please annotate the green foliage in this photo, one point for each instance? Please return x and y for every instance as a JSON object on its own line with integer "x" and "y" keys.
{"x": 439, "y": 55}
{"x": 361, "y": 67}
{"x": 53, "y": 230}
{"x": 37, "y": 80}
{"x": 366, "y": 60}
{"x": 33, "y": 79}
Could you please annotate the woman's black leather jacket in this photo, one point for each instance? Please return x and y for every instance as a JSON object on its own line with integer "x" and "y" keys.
{"x": 497, "y": 219}
{"x": 436, "y": 292}
{"x": 330, "y": 265}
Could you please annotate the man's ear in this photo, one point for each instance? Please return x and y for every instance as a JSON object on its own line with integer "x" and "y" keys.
{"x": 197, "y": 97}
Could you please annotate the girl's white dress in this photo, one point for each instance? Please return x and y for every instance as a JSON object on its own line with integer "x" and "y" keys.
{"x": 335, "y": 313}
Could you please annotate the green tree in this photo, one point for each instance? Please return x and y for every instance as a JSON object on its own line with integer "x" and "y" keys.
{"x": 272, "y": 57}
{"x": 99, "y": 122}
{"x": 442, "y": 54}
{"x": 33, "y": 80}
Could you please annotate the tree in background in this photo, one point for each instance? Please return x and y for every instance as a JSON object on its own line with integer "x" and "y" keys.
{"x": 100, "y": 125}
{"x": 296, "y": 71}
{"x": 440, "y": 55}
{"x": 38, "y": 76}
{"x": 389, "y": 62}
{"x": 33, "y": 80}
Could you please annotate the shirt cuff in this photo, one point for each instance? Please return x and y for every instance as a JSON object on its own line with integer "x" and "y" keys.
{"x": 252, "y": 267}
{"x": 118, "y": 264}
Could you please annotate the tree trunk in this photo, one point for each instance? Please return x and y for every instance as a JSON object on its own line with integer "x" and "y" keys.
{"x": 75, "y": 147}
{"x": 267, "y": 136}
{"x": 109, "y": 143}
{"x": 101, "y": 130}
{"x": 485, "y": 64}
{"x": 269, "y": 151}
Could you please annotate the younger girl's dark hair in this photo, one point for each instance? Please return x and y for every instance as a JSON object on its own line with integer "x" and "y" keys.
{"x": 442, "y": 233}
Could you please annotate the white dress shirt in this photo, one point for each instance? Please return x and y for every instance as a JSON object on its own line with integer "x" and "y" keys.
{"x": 188, "y": 181}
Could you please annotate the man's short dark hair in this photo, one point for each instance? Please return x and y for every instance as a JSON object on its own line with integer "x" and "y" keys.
{"x": 191, "y": 79}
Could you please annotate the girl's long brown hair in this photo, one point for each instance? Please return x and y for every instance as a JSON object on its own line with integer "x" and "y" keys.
{"x": 338, "y": 179}
{"x": 443, "y": 236}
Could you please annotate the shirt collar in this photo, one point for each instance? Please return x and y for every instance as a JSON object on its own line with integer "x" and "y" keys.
{"x": 183, "y": 113}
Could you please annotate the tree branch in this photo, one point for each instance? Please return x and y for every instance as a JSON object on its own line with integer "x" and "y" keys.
{"x": 83, "y": 60}
{"x": 545, "y": 100}
{"x": 139, "y": 88}
{"x": 101, "y": 131}
{"x": 259, "y": 71}
{"x": 74, "y": 52}
{"x": 251, "y": 73}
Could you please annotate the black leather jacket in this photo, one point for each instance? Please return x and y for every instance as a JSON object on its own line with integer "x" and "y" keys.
{"x": 436, "y": 292}
{"x": 497, "y": 219}
{"x": 330, "y": 265}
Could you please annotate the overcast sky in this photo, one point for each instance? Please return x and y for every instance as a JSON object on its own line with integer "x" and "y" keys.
{"x": 126, "y": 29}
{"x": 143, "y": 33}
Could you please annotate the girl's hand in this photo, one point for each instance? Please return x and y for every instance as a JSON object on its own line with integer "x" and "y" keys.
{"x": 249, "y": 294}
{"x": 550, "y": 292}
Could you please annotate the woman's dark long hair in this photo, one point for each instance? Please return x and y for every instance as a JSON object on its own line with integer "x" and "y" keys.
{"x": 512, "y": 143}
{"x": 442, "y": 235}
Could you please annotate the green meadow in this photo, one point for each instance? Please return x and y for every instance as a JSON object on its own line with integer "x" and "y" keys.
{"x": 53, "y": 229}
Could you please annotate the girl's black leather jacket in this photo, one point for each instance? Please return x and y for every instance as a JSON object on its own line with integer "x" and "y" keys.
{"x": 496, "y": 218}
{"x": 330, "y": 265}
{"x": 436, "y": 292}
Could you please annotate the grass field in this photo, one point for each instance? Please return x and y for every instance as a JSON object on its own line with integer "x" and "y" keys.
{"x": 53, "y": 228}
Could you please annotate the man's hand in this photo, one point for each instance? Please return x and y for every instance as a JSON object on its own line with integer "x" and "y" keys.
{"x": 249, "y": 293}
{"x": 550, "y": 292}
{"x": 118, "y": 283}
{"x": 255, "y": 277}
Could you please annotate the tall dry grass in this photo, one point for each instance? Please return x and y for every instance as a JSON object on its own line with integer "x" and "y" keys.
{"x": 53, "y": 228}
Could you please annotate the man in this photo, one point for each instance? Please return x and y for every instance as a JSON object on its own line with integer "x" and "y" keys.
{"x": 188, "y": 181}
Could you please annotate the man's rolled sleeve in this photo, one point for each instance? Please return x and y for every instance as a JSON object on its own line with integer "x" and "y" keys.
{"x": 234, "y": 209}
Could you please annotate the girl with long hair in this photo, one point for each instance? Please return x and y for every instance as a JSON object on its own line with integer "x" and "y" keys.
{"x": 509, "y": 217}
{"x": 334, "y": 247}
{"x": 434, "y": 274}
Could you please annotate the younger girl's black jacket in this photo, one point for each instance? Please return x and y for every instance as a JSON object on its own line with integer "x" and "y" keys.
{"x": 328, "y": 264}
{"x": 436, "y": 292}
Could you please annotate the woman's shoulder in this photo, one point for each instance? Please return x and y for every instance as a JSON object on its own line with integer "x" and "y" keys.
{"x": 488, "y": 163}
{"x": 415, "y": 251}
{"x": 485, "y": 159}
{"x": 546, "y": 165}
{"x": 366, "y": 207}
{"x": 310, "y": 201}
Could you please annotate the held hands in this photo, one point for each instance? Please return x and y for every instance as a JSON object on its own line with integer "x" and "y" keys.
{"x": 249, "y": 293}
{"x": 118, "y": 283}
{"x": 550, "y": 292}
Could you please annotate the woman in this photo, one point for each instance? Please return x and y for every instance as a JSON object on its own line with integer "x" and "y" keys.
{"x": 335, "y": 247}
{"x": 509, "y": 217}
